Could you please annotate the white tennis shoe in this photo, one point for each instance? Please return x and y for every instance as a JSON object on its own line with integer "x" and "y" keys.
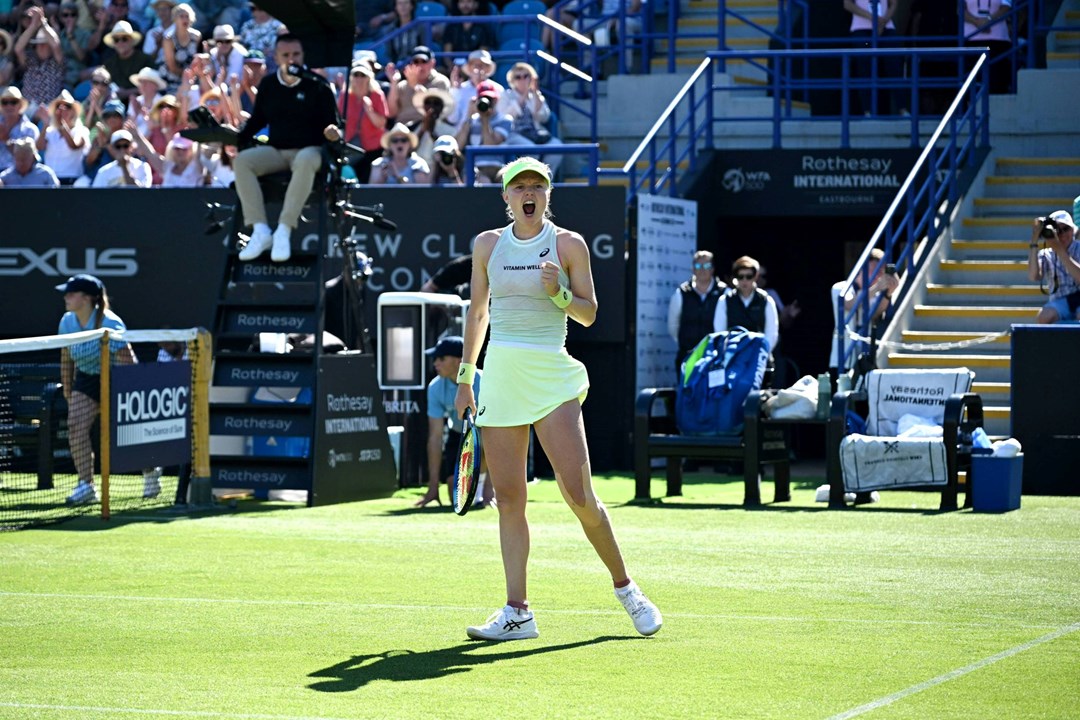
{"x": 642, "y": 611}
{"x": 152, "y": 483}
{"x": 260, "y": 241}
{"x": 507, "y": 623}
{"x": 85, "y": 493}
{"x": 282, "y": 249}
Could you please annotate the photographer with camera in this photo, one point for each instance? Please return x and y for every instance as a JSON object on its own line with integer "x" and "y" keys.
{"x": 1056, "y": 267}
{"x": 485, "y": 126}
{"x": 448, "y": 167}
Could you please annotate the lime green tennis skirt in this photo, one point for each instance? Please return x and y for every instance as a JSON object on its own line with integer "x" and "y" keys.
{"x": 523, "y": 385}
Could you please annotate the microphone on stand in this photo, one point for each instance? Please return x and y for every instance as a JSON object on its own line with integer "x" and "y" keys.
{"x": 303, "y": 71}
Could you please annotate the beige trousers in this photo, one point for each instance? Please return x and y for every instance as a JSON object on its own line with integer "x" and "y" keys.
{"x": 250, "y": 164}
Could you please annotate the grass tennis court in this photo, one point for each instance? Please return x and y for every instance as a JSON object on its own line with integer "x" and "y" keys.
{"x": 359, "y": 611}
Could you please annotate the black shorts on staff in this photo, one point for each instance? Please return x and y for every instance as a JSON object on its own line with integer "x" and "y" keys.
{"x": 88, "y": 384}
{"x": 450, "y": 454}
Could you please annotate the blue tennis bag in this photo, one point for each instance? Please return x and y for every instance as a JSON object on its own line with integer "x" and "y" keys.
{"x": 717, "y": 377}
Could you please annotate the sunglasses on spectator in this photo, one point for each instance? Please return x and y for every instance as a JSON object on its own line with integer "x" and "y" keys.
{"x": 212, "y": 103}
{"x": 419, "y": 61}
{"x": 69, "y": 14}
{"x": 399, "y": 140}
{"x": 9, "y": 101}
{"x": 63, "y": 106}
{"x": 523, "y": 76}
{"x": 122, "y": 38}
{"x": 122, "y": 146}
{"x": 99, "y": 82}
{"x": 703, "y": 266}
{"x": 745, "y": 276}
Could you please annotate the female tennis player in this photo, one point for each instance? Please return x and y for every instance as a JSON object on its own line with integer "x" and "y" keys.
{"x": 535, "y": 275}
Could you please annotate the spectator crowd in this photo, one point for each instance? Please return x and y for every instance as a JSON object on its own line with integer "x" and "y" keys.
{"x": 95, "y": 93}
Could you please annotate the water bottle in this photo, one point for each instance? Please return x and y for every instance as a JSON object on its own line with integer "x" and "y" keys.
{"x": 843, "y": 383}
{"x": 1076, "y": 211}
{"x": 824, "y": 396}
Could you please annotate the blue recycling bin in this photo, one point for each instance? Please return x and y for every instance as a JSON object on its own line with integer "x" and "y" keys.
{"x": 996, "y": 482}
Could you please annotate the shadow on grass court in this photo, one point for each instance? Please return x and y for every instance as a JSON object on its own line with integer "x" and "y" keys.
{"x": 406, "y": 665}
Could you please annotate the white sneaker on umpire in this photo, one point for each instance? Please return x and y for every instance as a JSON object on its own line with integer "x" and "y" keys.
{"x": 85, "y": 493}
{"x": 508, "y": 623}
{"x": 151, "y": 483}
{"x": 282, "y": 249}
{"x": 260, "y": 241}
{"x": 646, "y": 616}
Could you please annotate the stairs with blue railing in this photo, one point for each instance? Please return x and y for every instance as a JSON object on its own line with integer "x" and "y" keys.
{"x": 980, "y": 285}
{"x": 1063, "y": 46}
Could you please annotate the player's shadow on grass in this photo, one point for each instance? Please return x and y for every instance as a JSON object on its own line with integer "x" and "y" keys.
{"x": 406, "y": 665}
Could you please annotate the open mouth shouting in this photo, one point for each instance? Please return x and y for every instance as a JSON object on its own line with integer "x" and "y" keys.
{"x": 529, "y": 208}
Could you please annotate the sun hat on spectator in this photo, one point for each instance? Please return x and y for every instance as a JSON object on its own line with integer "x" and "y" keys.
{"x": 396, "y": 131}
{"x": 66, "y": 98}
{"x": 166, "y": 101}
{"x": 422, "y": 52}
{"x": 369, "y": 57}
{"x": 5, "y": 42}
{"x": 40, "y": 38}
{"x": 101, "y": 74}
{"x": 113, "y": 107}
{"x": 13, "y": 92}
{"x": 150, "y": 75}
{"x": 422, "y": 93}
{"x": 447, "y": 144}
{"x": 120, "y": 135}
{"x": 1063, "y": 217}
{"x": 518, "y": 66}
{"x": 179, "y": 141}
{"x": 224, "y": 33}
{"x": 25, "y": 143}
{"x": 482, "y": 57}
{"x": 122, "y": 28}
{"x": 170, "y": 3}
{"x": 362, "y": 68}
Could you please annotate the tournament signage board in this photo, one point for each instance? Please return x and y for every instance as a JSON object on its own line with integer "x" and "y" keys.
{"x": 810, "y": 182}
{"x": 150, "y": 415}
{"x": 666, "y": 241}
{"x": 163, "y": 270}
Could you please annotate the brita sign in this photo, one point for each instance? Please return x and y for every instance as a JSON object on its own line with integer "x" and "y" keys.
{"x": 811, "y": 182}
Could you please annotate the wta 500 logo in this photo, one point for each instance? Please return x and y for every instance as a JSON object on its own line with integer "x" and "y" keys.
{"x": 62, "y": 262}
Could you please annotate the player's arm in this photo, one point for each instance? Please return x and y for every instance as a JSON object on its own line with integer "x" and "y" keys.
{"x": 574, "y": 254}
{"x": 476, "y": 322}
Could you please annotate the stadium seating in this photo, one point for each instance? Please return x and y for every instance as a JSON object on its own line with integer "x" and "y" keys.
{"x": 515, "y": 30}
{"x": 428, "y": 8}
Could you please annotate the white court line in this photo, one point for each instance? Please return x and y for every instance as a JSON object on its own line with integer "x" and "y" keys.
{"x": 148, "y": 711}
{"x": 952, "y": 675}
{"x": 995, "y": 623}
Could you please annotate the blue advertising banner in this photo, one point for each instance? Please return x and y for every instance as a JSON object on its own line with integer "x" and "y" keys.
{"x": 150, "y": 415}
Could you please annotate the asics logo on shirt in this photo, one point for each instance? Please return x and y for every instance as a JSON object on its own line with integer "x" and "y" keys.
{"x": 482, "y": 409}
{"x": 545, "y": 252}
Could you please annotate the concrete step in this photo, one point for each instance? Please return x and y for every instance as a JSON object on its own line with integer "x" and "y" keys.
{"x": 983, "y": 272}
{"x": 1013, "y": 206}
{"x": 970, "y": 318}
{"x": 940, "y": 294}
{"x": 995, "y": 228}
{"x": 700, "y": 45}
{"x": 1031, "y": 186}
{"x": 989, "y": 249}
{"x": 1043, "y": 166}
{"x": 988, "y": 368}
{"x": 995, "y": 393}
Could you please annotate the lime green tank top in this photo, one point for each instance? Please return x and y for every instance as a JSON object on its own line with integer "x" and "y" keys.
{"x": 521, "y": 311}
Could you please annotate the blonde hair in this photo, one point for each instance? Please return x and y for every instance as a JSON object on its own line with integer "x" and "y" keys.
{"x": 184, "y": 8}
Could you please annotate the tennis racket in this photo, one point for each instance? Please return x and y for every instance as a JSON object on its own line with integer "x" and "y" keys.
{"x": 467, "y": 473}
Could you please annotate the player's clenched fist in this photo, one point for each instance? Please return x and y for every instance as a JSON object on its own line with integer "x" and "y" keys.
{"x": 549, "y": 277}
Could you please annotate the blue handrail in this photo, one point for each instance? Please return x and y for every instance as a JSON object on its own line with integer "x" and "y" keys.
{"x": 904, "y": 225}
{"x": 508, "y": 152}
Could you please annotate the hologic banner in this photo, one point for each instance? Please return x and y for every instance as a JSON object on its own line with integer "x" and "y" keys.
{"x": 150, "y": 415}
{"x": 805, "y": 183}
